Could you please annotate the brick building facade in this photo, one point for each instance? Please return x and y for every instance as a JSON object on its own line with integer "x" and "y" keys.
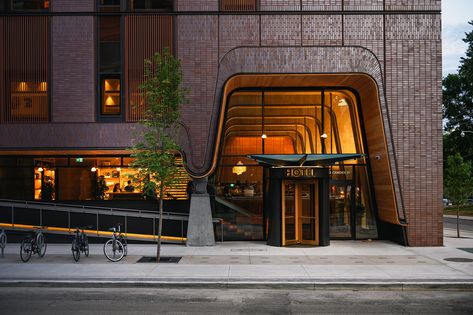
{"x": 230, "y": 45}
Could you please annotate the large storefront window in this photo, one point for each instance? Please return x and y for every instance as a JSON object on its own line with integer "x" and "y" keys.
{"x": 79, "y": 178}
{"x": 292, "y": 122}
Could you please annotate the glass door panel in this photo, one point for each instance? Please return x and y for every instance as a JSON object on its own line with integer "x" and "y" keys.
{"x": 308, "y": 218}
{"x": 289, "y": 214}
{"x": 340, "y": 209}
{"x": 300, "y": 210}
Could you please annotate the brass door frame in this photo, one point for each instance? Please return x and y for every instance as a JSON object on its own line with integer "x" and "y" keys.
{"x": 298, "y": 212}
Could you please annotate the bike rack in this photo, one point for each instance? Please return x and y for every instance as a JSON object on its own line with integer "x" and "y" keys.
{"x": 41, "y": 207}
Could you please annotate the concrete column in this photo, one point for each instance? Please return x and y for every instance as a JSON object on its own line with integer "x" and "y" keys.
{"x": 200, "y": 228}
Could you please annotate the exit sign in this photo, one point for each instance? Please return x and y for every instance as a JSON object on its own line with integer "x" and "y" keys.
{"x": 79, "y": 160}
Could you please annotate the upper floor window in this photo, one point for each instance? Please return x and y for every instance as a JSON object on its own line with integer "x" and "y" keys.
{"x": 23, "y": 5}
{"x": 150, "y": 5}
{"x": 238, "y": 5}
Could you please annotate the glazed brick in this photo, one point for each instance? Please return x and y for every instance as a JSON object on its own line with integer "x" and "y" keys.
{"x": 363, "y": 5}
{"x": 201, "y": 5}
{"x": 73, "y": 69}
{"x": 411, "y": 5}
{"x": 237, "y": 31}
{"x": 72, "y": 5}
{"x": 321, "y": 30}
{"x": 280, "y": 30}
{"x": 197, "y": 47}
{"x": 280, "y": 5}
{"x": 322, "y": 5}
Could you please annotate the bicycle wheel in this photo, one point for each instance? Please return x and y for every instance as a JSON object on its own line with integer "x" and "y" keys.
{"x": 114, "y": 252}
{"x": 25, "y": 250}
{"x": 41, "y": 244}
{"x": 75, "y": 249}
{"x": 86, "y": 246}
{"x": 3, "y": 240}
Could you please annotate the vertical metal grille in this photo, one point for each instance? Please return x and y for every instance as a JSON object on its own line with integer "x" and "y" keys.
{"x": 238, "y": 5}
{"x": 25, "y": 49}
{"x": 144, "y": 35}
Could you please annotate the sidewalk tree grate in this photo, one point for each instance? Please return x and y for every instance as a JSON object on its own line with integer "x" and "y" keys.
{"x": 469, "y": 250}
{"x": 164, "y": 259}
{"x": 458, "y": 259}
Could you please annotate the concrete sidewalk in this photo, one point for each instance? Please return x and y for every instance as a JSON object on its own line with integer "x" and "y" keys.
{"x": 343, "y": 264}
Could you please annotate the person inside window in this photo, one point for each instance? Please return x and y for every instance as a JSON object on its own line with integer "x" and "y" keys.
{"x": 117, "y": 188}
{"x": 129, "y": 187}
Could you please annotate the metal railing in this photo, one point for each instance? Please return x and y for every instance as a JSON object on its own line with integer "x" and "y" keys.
{"x": 41, "y": 207}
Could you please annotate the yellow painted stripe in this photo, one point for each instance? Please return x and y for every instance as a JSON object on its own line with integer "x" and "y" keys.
{"x": 91, "y": 232}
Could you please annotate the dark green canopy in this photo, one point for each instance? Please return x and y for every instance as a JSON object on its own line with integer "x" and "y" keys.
{"x": 302, "y": 159}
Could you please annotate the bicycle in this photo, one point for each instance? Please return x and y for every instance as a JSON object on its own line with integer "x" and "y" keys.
{"x": 80, "y": 243}
{"x": 34, "y": 243}
{"x": 115, "y": 248}
{"x": 3, "y": 240}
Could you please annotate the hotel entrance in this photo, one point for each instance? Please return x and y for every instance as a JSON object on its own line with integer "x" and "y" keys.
{"x": 300, "y": 211}
{"x": 292, "y": 167}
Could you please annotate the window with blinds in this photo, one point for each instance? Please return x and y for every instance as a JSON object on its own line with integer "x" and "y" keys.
{"x": 238, "y": 5}
{"x": 144, "y": 35}
{"x": 24, "y": 50}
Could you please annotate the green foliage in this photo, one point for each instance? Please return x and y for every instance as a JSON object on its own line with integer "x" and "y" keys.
{"x": 458, "y": 105}
{"x": 458, "y": 181}
{"x": 155, "y": 153}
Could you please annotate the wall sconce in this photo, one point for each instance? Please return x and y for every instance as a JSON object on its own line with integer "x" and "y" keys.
{"x": 40, "y": 169}
{"x": 264, "y": 136}
{"x": 239, "y": 168}
{"x": 324, "y": 136}
{"x": 93, "y": 169}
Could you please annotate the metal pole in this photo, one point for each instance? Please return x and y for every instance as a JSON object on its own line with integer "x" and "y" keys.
{"x": 221, "y": 226}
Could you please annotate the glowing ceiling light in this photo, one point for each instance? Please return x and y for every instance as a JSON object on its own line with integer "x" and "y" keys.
{"x": 40, "y": 169}
{"x": 239, "y": 168}
{"x": 264, "y": 136}
{"x": 324, "y": 136}
{"x": 93, "y": 169}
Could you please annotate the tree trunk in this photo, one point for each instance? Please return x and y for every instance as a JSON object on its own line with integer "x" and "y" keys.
{"x": 458, "y": 221}
{"x": 160, "y": 224}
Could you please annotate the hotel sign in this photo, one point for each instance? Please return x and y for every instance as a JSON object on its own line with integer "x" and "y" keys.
{"x": 300, "y": 172}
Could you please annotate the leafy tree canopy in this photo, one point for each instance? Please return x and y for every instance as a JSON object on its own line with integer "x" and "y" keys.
{"x": 458, "y": 105}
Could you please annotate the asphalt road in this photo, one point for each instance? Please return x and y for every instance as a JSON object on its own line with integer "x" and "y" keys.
{"x": 230, "y": 301}
{"x": 451, "y": 223}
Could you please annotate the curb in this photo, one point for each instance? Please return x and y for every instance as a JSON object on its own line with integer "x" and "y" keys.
{"x": 222, "y": 284}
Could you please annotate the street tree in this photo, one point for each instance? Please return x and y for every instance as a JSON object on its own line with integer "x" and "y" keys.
{"x": 458, "y": 182}
{"x": 458, "y": 105}
{"x": 155, "y": 151}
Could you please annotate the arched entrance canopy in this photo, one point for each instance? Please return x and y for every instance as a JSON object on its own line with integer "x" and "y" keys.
{"x": 302, "y": 159}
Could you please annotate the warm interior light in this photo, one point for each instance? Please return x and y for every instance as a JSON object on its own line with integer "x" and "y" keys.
{"x": 324, "y": 136}
{"x": 119, "y": 169}
{"x": 342, "y": 102}
{"x": 109, "y": 101}
{"x": 112, "y": 85}
{"x": 239, "y": 168}
{"x": 43, "y": 86}
{"x": 40, "y": 169}
{"x": 22, "y": 87}
{"x": 93, "y": 169}
{"x": 264, "y": 136}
